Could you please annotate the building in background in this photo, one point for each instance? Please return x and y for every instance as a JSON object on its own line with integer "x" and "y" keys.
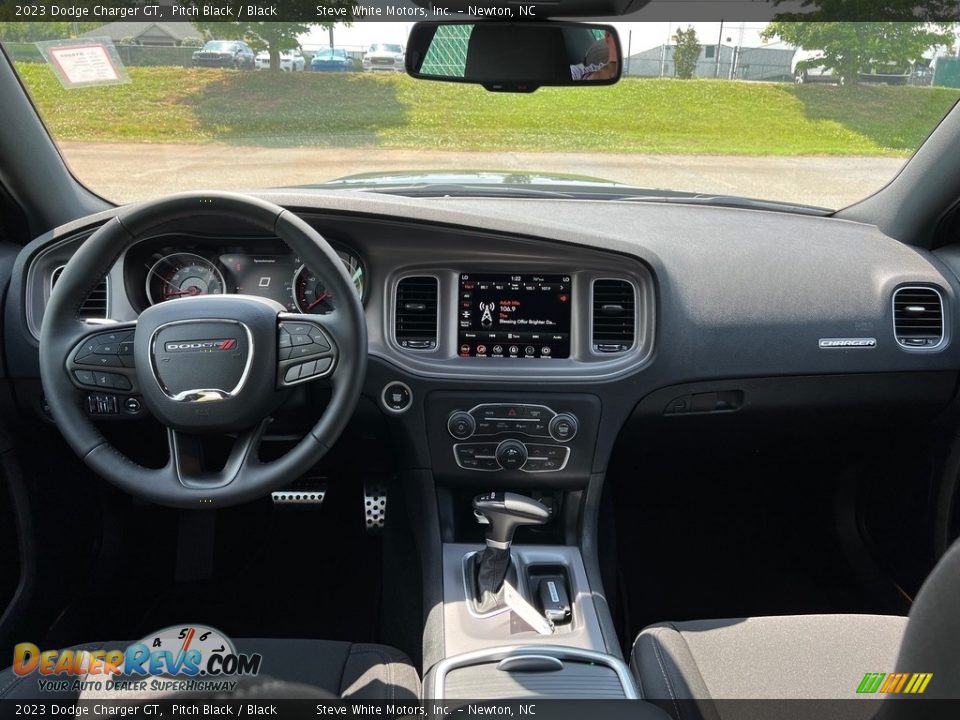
{"x": 150, "y": 34}
{"x": 770, "y": 63}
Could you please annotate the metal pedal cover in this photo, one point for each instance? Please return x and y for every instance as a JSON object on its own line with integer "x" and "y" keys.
{"x": 305, "y": 491}
{"x": 375, "y": 506}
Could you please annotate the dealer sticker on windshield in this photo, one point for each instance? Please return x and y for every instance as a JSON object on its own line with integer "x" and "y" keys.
{"x": 84, "y": 63}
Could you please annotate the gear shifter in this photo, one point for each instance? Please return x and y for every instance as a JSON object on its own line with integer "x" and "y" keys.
{"x": 503, "y": 513}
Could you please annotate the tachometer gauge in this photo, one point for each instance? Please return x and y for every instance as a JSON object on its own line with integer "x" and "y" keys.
{"x": 310, "y": 291}
{"x": 183, "y": 275}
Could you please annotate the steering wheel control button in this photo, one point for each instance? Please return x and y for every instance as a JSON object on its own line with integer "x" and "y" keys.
{"x": 397, "y": 397}
{"x": 298, "y": 328}
{"x": 563, "y": 427}
{"x": 511, "y": 454}
{"x": 84, "y": 377}
{"x": 102, "y": 404}
{"x": 461, "y": 425}
{"x": 110, "y": 349}
{"x": 303, "y": 344}
{"x": 318, "y": 338}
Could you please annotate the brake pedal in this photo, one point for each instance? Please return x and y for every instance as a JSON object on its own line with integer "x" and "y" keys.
{"x": 305, "y": 491}
{"x": 375, "y": 506}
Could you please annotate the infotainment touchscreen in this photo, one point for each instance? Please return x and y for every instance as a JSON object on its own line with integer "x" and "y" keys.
{"x": 514, "y": 316}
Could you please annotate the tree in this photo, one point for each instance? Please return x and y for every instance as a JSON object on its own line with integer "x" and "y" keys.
{"x": 274, "y": 36}
{"x": 37, "y": 31}
{"x": 271, "y": 36}
{"x": 686, "y": 52}
{"x": 851, "y": 48}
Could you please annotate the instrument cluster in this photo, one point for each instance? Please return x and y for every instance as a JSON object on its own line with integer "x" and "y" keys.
{"x": 164, "y": 272}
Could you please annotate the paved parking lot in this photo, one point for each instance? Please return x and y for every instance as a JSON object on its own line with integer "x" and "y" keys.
{"x": 125, "y": 172}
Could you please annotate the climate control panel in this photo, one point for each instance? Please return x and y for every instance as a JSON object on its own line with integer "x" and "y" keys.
{"x": 511, "y": 455}
{"x": 489, "y": 419}
{"x": 538, "y": 439}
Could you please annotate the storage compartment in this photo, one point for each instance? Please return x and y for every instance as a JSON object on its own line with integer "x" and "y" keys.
{"x": 574, "y": 680}
{"x": 531, "y": 671}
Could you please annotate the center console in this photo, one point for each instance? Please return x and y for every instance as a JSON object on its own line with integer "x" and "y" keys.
{"x": 519, "y": 620}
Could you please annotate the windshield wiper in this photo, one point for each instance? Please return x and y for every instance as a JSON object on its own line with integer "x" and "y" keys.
{"x": 457, "y": 190}
{"x": 461, "y": 190}
{"x": 732, "y": 201}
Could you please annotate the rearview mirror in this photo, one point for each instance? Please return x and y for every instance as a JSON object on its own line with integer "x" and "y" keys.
{"x": 515, "y": 56}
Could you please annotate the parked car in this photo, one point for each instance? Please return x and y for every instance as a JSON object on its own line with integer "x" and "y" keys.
{"x": 384, "y": 56}
{"x": 225, "y": 54}
{"x": 290, "y": 61}
{"x": 331, "y": 60}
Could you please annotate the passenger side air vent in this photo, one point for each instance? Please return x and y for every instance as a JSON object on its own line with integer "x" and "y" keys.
{"x": 918, "y": 317}
{"x": 614, "y": 316}
{"x": 415, "y": 313}
{"x": 95, "y": 306}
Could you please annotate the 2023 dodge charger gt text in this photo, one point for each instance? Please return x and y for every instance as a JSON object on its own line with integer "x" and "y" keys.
{"x": 490, "y": 426}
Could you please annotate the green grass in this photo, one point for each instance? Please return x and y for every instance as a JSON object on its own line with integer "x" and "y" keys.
{"x": 350, "y": 110}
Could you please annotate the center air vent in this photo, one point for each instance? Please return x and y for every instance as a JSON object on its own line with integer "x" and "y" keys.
{"x": 614, "y": 316}
{"x": 415, "y": 313}
{"x": 95, "y": 306}
{"x": 918, "y": 317}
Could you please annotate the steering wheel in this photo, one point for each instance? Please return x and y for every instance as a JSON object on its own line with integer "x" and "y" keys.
{"x": 205, "y": 364}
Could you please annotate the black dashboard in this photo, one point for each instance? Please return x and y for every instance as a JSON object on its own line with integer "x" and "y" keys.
{"x": 586, "y": 310}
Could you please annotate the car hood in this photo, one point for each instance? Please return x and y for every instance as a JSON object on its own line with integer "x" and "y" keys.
{"x": 466, "y": 177}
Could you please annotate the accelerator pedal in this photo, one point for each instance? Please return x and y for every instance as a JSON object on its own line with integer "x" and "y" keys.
{"x": 374, "y": 506}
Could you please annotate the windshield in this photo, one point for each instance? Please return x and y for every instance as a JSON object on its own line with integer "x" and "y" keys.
{"x": 769, "y": 112}
{"x": 220, "y": 46}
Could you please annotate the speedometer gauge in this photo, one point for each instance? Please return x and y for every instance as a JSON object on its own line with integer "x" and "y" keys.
{"x": 183, "y": 275}
{"x": 310, "y": 291}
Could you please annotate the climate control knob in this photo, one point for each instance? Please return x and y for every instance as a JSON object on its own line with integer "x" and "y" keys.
{"x": 563, "y": 427}
{"x": 461, "y": 425}
{"x": 511, "y": 454}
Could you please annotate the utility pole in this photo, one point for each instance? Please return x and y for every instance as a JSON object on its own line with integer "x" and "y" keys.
{"x": 716, "y": 72}
{"x": 665, "y": 50}
{"x": 629, "y": 51}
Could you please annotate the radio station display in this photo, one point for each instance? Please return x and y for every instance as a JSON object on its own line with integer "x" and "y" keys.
{"x": 514, "y": 316}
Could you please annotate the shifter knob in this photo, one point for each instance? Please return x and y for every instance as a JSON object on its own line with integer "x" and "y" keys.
{"x": 504, "y": 513}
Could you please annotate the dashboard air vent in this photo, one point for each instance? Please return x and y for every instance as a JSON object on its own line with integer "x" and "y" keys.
{"x": 415, "y": 313}
{"x": 95, "y": 306}
{"x": 614, "y": 316}
{"x": 918, "y": 317}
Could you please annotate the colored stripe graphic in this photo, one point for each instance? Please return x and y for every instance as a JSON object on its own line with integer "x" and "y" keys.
{"x": 870, "y": 682}
{"x": 883, "y": 683}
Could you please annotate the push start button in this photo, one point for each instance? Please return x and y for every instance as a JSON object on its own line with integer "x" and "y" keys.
{"x": 397, "y": 397}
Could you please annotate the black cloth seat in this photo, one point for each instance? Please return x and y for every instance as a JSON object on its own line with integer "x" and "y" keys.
{"x": 687, "y": 665}
{"x": 353, "y": 671}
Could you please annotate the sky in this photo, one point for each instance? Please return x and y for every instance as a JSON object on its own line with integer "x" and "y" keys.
{"x": 634, "y": 37}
